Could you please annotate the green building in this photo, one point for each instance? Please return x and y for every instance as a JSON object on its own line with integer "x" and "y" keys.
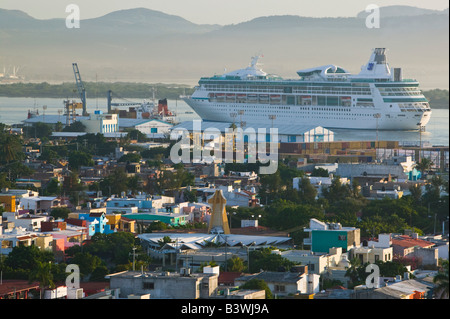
{"x": 323, "y": 236}
{"x": 167, "y": 218}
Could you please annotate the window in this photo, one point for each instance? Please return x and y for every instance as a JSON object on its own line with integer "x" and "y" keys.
{"x": 377, "y": 257}
{"x": 280, "y": 288}
{"x": 342, "y": 237}
{"x": 148, "y": 285}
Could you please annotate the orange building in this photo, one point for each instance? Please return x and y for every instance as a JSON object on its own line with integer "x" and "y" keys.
{"x": 9, "y": 202}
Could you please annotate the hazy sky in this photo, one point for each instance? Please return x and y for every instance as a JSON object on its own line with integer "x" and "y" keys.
{"x": 213, "y": 11}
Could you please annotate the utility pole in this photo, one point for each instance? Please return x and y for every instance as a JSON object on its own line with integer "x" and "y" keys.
{"x": 134, "y": 257}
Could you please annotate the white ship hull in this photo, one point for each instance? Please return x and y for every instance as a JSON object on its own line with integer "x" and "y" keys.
{"x": 292, "y": 115}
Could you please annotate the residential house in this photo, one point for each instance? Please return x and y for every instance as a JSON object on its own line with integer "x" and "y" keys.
{"x": 26, "y": 221}
{"x": 18, "y": 194}
{"x": 39, "y": 203}
{"x": 9, "y": 202}
{"x": 172, "y": 219}
{"x": 406, "y": 289}
{"x": 399, "y": 168}
{"x": 371, "y": 254}
{"x": 323, "y": 236}
{"x": 99, "y": 221}
{"x": 285, "y": 283}
{"x": 317, "y": 263}
{"x": 414, "y": 247}
{"x": 164, "y": 285}
{"x": 127, "y": 205}
{"x": 19, "y": 236}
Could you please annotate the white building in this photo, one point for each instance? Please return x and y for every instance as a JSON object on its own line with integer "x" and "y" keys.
{"x": 101, "y": 123}
{"x": 399, "y": 167}
{"x": 28, "y": 222}
{"x": 285, "y": 283}
{"x": 19, "y": 194}
{"x": 152, "y": 128}
{"x": 39, "y": 203}
{"x": 372, "y": 254}
{"x": 317, "y": 263}
{"x": 234, "y": 196}
{"x": 285, "y": 134}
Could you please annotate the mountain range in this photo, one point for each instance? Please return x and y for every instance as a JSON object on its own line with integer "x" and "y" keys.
{"x": 143, "y": 45}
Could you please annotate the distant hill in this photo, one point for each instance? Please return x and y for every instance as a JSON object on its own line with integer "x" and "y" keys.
{"x": 402, "y": 11}
{"x": 438, "y": 98}
{"x": 142, "y": 45}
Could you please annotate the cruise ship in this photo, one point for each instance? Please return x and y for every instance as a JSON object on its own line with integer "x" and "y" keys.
{"x": 329, "y": 96}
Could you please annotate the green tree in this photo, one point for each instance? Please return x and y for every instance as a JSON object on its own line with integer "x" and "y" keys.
{"x": 130, "y": 157}
{"x": 307, "y": 191}
{"x": 424, "y": 166}
{"x": 53, "y": 187}
{"x": 137, "y": 135}
{"x": 40, "y": 130}
{"x": 87, "y": 262}
{"x": 79, "y": 158}
{"x": 76, "y": 126}
{"x": 441, "y": 279}
{"x": 59, "y": 127}
{"x": 49, "y": 155}
{"x": 320, "y": 172}
{"x": 235, "y": 264}
{"x": 43, "y": 274}
{"x": 99, "y": 273}
{"x": 264, "y": 259}
{"x": 133, "y": 183}
{"x": 115, "y": 182}
{"x": 10, "y": 148}
{"x": 60, "y": 212}
{"x": 4, "y": 181}
{"x": 190, "y": 196}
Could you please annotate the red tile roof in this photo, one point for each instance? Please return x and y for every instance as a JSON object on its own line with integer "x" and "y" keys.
{"x": 11, "y": 286}
{"x": 227, "y": 278}
{"x": 406, "y": 241}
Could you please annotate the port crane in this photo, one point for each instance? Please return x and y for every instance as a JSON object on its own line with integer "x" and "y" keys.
{"x": 80, "y": 87}
{"x": 111, "y": 104}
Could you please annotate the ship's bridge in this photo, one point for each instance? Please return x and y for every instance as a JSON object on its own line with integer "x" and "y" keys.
{"x": 250, "y": 72}
{"x": 325, "y": 72}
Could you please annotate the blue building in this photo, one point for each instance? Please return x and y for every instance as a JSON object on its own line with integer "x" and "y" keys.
{"x": 127, "y": 205}
{"x": 97, "y": 223}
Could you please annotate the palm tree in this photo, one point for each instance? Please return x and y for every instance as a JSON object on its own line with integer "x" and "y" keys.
{"x": 424, "y": 166}
{"x": 352, "y": 271}
{"x": 441, "y": 279}
{"x": 10, "y": 148}
{"x": 42, "y": 273}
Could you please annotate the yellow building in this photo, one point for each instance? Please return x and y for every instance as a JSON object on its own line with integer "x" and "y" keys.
{"x": 113, "y": 220}
{"x": 9, "y": 202}
{"x": 44, "y": 242}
